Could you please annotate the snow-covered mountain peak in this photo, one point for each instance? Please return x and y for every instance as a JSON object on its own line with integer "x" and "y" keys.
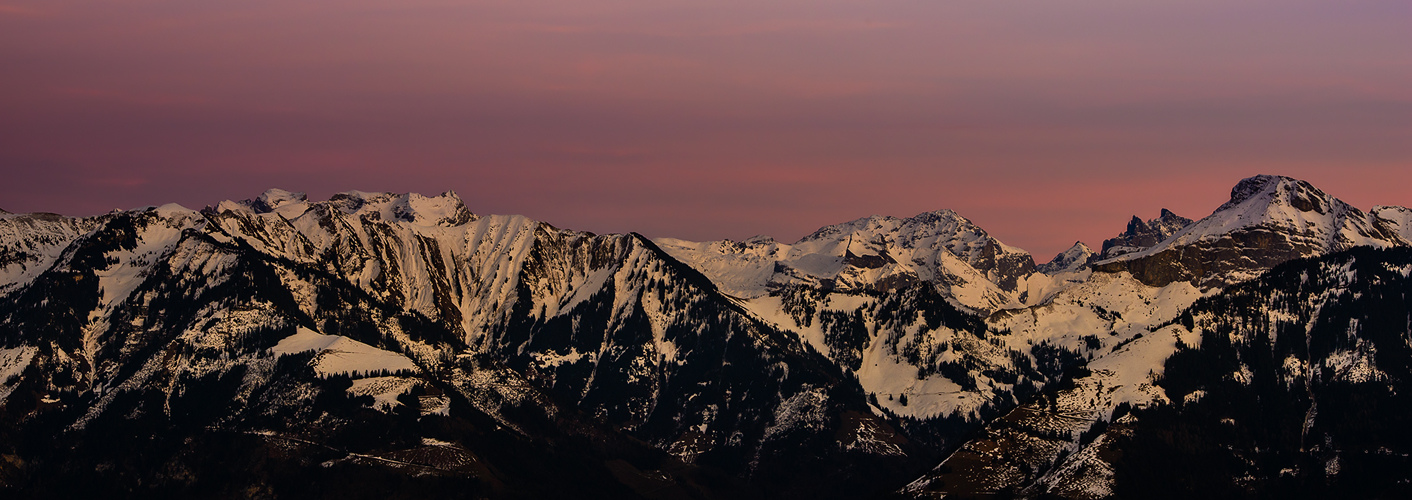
{"x": 1291, "y": 206}
{"x": 842, "y": 230}
{"x": 922, "y": 225}
{"x": 1249, "y": 187}
{"x": 174, "y": 211}
{"x": 1275, "y": 190}
{"x": 937, "y": 219}
{"x": 871, "y": 253}
{"x": 912, "y": 232}
{"x": 1268, "y": 220}
{"x": 445, "y": 209}
{"x": 1073, "y": 259}
{"x": 275, "y": 198}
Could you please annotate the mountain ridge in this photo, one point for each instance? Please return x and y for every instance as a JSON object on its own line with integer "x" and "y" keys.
{"x": 876, "y": 347}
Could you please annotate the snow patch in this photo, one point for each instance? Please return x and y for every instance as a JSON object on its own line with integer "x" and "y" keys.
{"x": 13, "y": 362}
{"x": 554, "y": 360}
{"x": 341, "y": 355}
{"x": 1356, "y": 365}
{"x": 384, "y": 390}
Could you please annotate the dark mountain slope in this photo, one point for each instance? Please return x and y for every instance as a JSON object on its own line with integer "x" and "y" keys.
{"x": 1299, "y": 388}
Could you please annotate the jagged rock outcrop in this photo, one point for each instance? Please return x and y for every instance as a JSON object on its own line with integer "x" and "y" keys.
{"x": 1143, "y": 235}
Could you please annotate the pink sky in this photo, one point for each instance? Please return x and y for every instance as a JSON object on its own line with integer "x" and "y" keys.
{"x": 1043, "y": 121}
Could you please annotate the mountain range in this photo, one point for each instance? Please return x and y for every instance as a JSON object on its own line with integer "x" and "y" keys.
{"x": 378, "y": 344}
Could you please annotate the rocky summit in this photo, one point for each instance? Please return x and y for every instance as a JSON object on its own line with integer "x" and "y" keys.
{"x": 382, "y": 344}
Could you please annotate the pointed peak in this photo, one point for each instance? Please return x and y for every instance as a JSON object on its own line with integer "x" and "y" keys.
{"x": 1073, "y": 259}
{"x": 1077, "y": 249}
{"x": 1167, "y": 214}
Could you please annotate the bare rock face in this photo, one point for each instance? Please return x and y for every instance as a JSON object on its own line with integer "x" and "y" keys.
{"x": 1213, "y": 263}
{"x": 1003, "y": 266}
{"x": 1268, "y": 220}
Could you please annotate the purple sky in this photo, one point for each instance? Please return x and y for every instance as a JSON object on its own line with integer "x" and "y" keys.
{"x": 1043, "y": 121}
